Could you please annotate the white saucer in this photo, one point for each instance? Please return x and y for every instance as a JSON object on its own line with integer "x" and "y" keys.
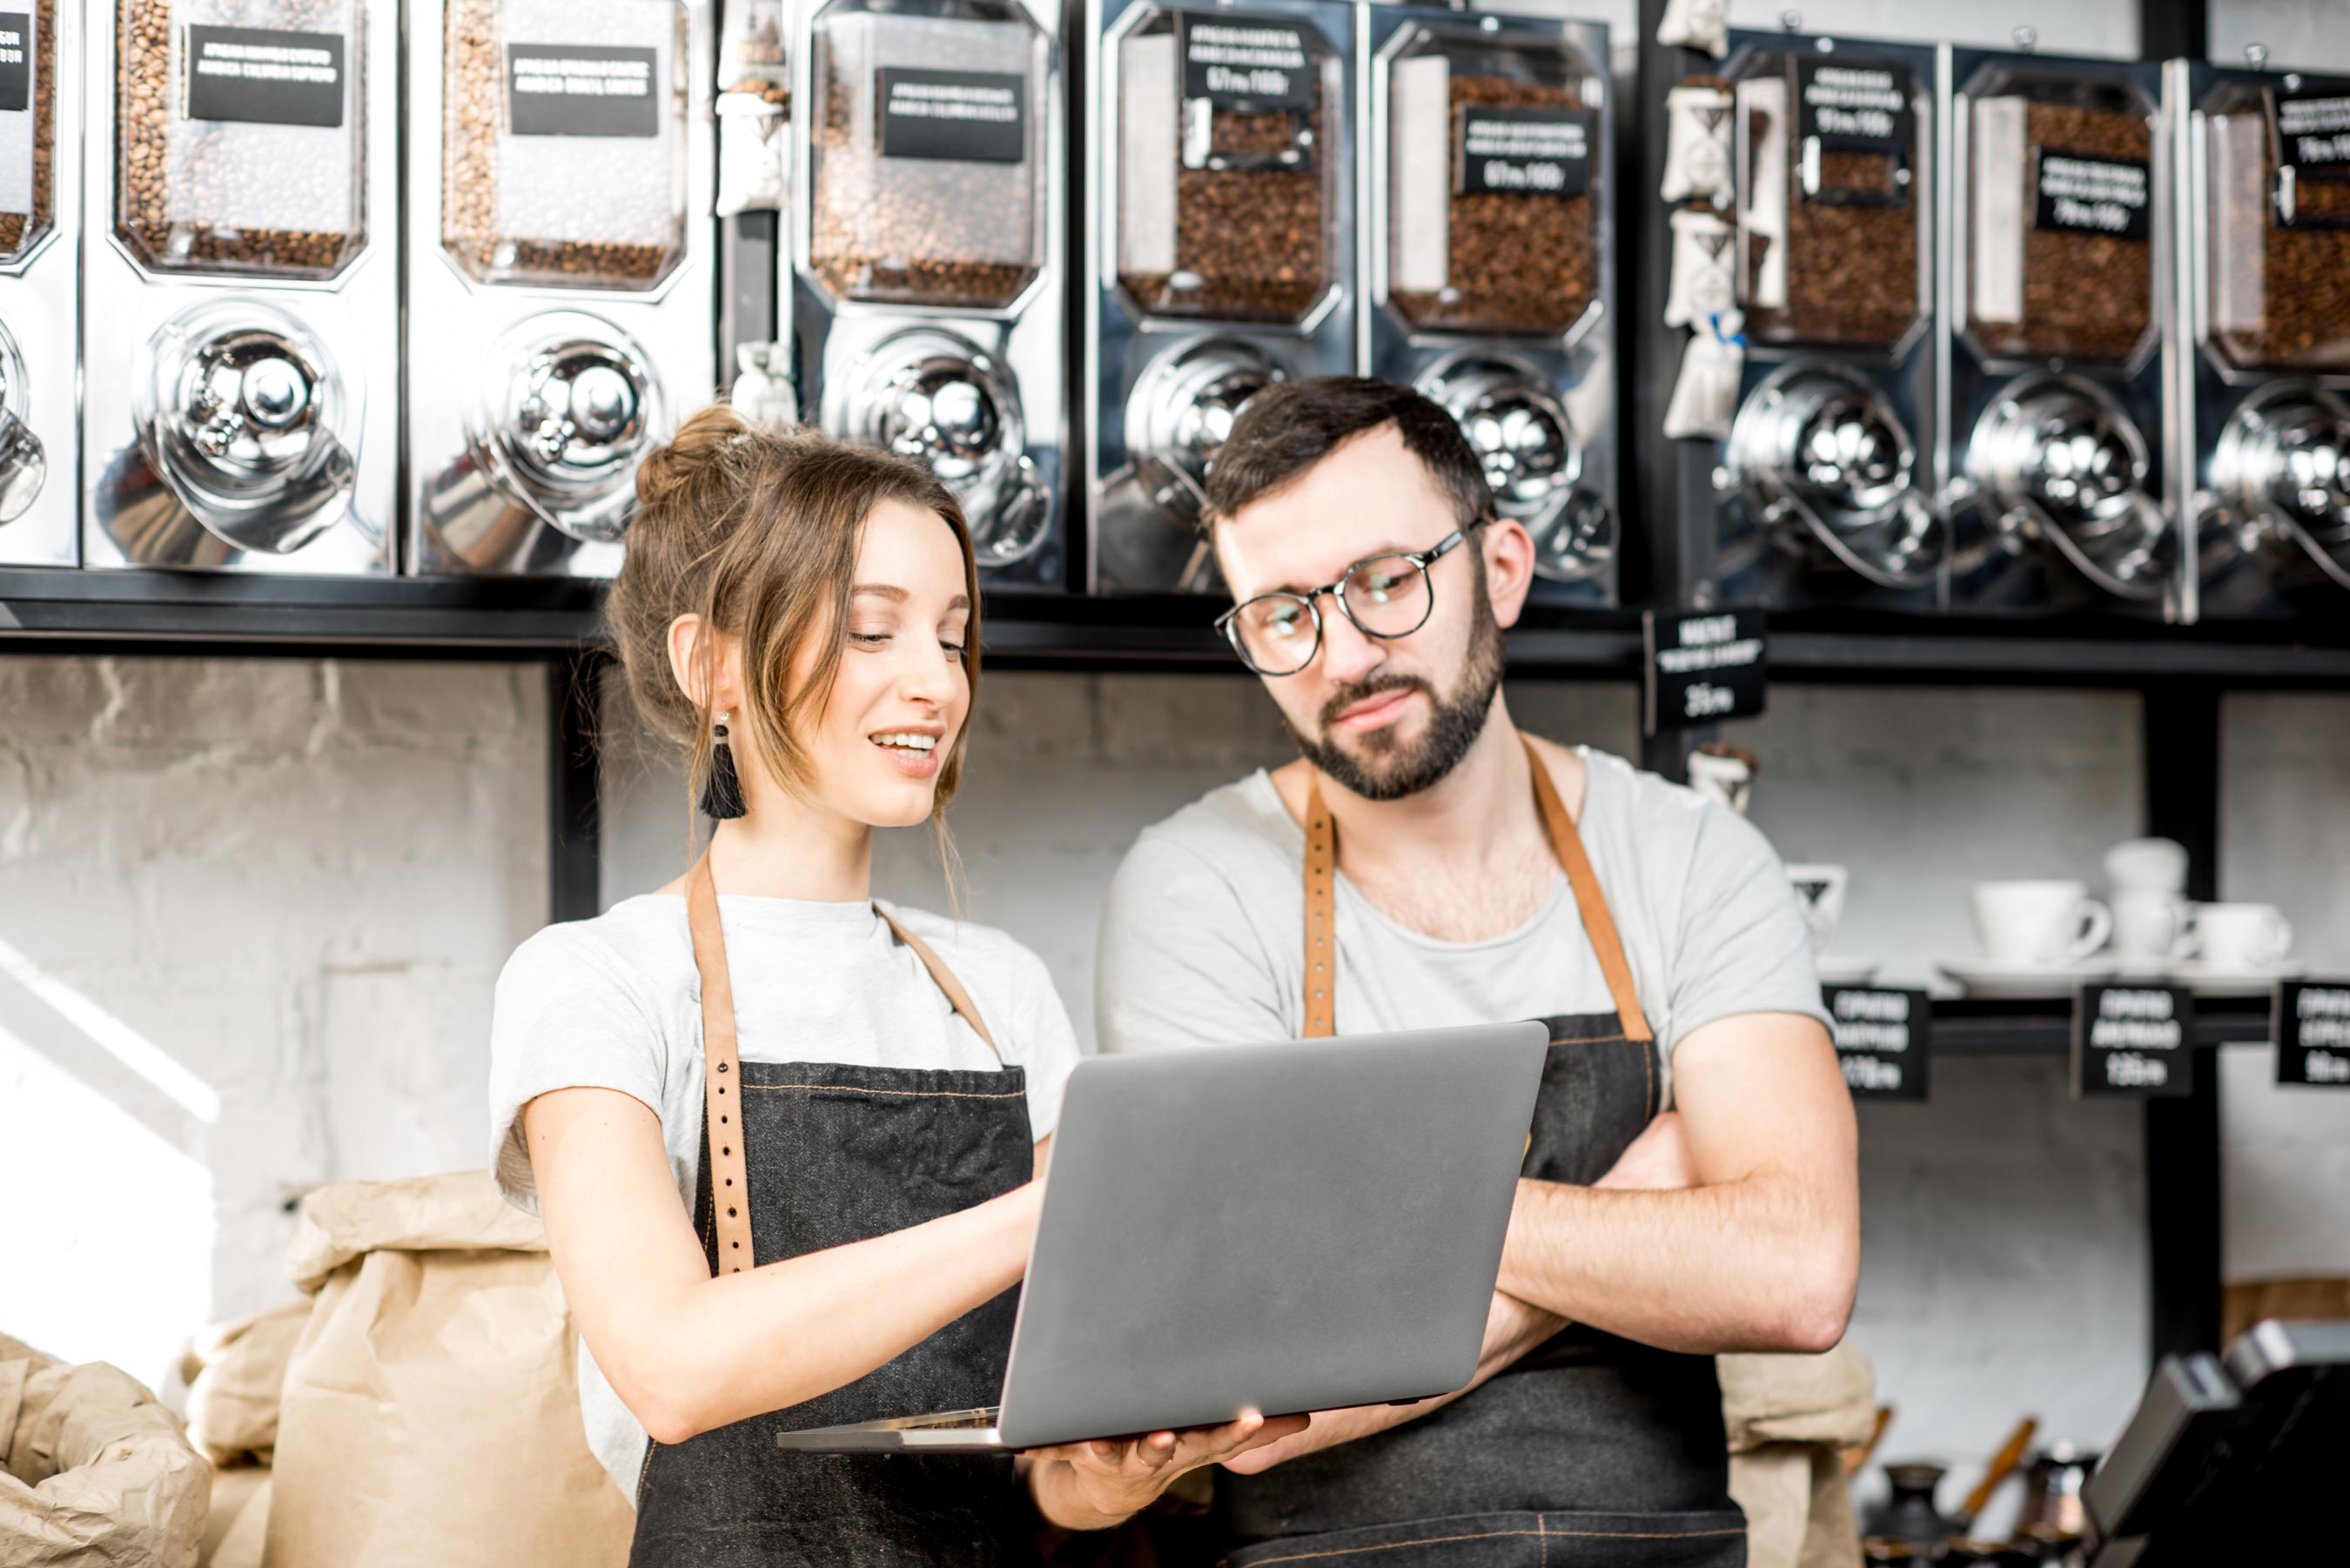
{"x": 1834, "y": 970}
{"x": 2207, "y": 981}
{"x": 1984, "y": 976}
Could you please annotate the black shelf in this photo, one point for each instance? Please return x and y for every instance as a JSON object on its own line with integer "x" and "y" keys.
{"x": 2042, "y": 1026}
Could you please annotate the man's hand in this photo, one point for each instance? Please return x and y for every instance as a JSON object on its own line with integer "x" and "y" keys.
{"x": 1658, "y": 1160}
{"x": 1094, "y": 1485}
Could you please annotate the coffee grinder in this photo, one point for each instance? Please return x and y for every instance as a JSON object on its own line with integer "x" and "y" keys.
{"x": 559, "y": 310}
{"x": 2056, "y": 298}
{"x": 2263, "y": 432}
{"x": 1219, "y": 254}
{"x": 40, "y": 216}
{"x": 240, "y": 295}
{"x": 925, "y": 263}
{"x": 1488, "y": 271}
{"x": 1824, "y": 489}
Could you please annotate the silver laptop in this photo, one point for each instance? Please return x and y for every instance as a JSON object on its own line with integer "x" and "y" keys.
{"x": 1286, "y": 1228}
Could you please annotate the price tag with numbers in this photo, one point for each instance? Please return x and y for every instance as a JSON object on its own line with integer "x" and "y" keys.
{"x": 1702, "y": 667}
{"x": 2134, "y": 1039}
{"x": 2312, "y": 1025}
{"x": 1881, "y": 1040}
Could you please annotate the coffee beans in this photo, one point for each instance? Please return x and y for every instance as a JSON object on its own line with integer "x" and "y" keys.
{"x": 522, "y": 209}
{"x": 216, "y": 195}
{"x": 2086, "y": 295}
{"x": 2289, "y": 307}
{"x": 1250, "y": 242}
{"x": 1852, "y": 265}
{"x": 919, "y": 231}
{"x": 1517, "y": 262}
{"x": 19, "y": 229}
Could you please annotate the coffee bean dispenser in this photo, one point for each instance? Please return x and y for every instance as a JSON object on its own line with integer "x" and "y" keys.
{"x": 2057, "y": 197}
{"x": 1219, "y": 254}
{"x": 40, "y": 205}
{"x": 1489, "y": 273}
{"x": 927, "y": 289}
{"x": 241, "y": 285}
{"x": 559, "y": 306}
{"x": 1825, "y": 480}
{"x": 2265, "y": 431}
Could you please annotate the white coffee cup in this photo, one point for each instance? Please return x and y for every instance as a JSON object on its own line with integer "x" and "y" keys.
{"x": 1820, "y": 888}
{"x": 2232, "y": 937}
{"x": 2147, "y": 864}
{"x": 2149, "y": 926}
{"x": 2038, "y": 922}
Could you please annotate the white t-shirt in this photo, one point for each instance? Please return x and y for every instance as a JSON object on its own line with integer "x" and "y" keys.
{"x": 1202, "y": 944}
{"x": 615, "y": 1002}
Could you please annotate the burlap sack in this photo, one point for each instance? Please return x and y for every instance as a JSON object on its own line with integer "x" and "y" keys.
{"x": 98, "y": 1473}
{"x": 233, "y": 1395}
{"x": 431, "y": 1412}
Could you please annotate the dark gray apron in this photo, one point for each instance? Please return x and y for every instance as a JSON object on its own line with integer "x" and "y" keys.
{"x": 822, "y": 1155}
{"x": 1589, "y": 1452}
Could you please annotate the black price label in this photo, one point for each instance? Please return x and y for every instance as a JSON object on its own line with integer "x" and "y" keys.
{"x": 1702, "y": 667}
{"x": 2134, "y": 1040}
{"x": 1524, "y": 151}
{"x": 581, "y": 89}
{"x": 1859, "y": 104}
{"x": 973, "y": 116}
{"x": 1881, "y": 1040}
{"x": 2313, "y": 132}
{"x": 264, "y": 77}
{"x": 1253, "y": 66}
{"x": 16, "y": 61}
{"x": 2086, "y": 195}
{"x": 2313, "y": 1033}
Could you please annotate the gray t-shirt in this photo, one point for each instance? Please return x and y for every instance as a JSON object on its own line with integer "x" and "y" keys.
{"x": 615, "y": 1002}
{"x": 1202, "y": 937}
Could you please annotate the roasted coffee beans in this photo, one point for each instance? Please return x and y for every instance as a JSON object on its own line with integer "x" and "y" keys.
{"x": 1852, "y": 255}
{"x": 235, "y": 194}
{"x": 2280, "y": 292}
{"x": 2084, "y": 293}
{"x": 1251, "y": 237}
{"x": 1519, "y": 261}
{"x": 600, "y": 212}
{"x": 18, "y": 229}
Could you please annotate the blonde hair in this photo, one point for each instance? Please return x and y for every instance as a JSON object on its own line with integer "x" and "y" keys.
{"x": 756, "y": 530}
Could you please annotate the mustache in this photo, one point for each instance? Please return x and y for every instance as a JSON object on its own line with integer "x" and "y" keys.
{"x": 1347, "y": 696}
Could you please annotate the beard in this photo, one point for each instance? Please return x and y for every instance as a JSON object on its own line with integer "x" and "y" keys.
{"x": 1388, "y": 767}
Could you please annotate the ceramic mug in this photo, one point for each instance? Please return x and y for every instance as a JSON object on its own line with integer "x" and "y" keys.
{"x": 2147, "y": 864}
{"x": 1820, "y": 890}
{"x": 2239, "y": 937}
{"x": 2038, "y": 922}
{"x": 2149, "y": 926}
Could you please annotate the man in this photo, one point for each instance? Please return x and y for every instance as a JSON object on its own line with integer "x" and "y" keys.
{"x": 1424, "y": 863}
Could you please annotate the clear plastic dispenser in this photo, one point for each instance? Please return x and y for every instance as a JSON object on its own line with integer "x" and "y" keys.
{"x": 2277, "y": 187}
{"x": 563, "y": 152}
{"x": 241, "y": 135}
{"x": 927, "y": 160}
{"x": 28, "y": 131}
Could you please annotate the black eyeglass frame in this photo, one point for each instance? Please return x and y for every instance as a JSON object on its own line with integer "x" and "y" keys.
{"x": 1422, "y": 559}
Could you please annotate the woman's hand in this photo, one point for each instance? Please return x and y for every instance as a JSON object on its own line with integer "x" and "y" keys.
{"x": 1094, "y": 1485}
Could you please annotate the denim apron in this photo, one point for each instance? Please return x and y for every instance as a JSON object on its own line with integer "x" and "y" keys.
{"x": 819, "y": 1155}
{"x": 1589, "y": 1452}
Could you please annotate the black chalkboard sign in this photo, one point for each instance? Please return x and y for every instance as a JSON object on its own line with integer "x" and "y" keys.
{"x": 2313, "y": 132}
{"x": 16, "y": 61}
{"x": 581, "y": 89}
{"x": 1701, "y": 668}
{"x": 1882, "y": 1040}
{"x": 1243, "y": 64}
{"x": 1524, "y": 151}
{"x": 1860, "y": 104}
{"x": 2079, "y": 194}
{"x": 2134, "y": 1039}
{"x": 264, "y": 75}
{"x": 969, "y": 116}
{"x": 2311, "y": 1025}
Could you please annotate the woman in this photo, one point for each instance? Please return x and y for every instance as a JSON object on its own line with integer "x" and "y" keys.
{"x": 784, "y": 1155}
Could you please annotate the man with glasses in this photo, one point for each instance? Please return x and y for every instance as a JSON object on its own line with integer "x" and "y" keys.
{"x": 1425, "y": 863}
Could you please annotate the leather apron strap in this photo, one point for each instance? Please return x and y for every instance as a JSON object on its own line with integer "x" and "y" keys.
{"x": 1321, "y": 906}
{"x": 722, "y": 1074}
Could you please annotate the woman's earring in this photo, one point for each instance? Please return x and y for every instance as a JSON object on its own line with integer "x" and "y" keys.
{"x": 721, "y": 795}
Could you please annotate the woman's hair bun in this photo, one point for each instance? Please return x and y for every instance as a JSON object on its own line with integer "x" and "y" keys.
{"x": 695, "y": 450}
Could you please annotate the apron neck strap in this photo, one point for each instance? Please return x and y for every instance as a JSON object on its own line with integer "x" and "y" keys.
{"x": 722, "y": 1068}
{"x": 1566, "y": 843}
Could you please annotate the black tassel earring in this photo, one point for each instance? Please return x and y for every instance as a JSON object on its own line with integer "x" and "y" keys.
{"x": 721, "y": 795}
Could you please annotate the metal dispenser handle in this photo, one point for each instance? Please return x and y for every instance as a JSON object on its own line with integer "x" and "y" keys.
{"x": 2056, "y": 459}
{"x": 564, "y": 430}
{"x": 1819, "y": 454}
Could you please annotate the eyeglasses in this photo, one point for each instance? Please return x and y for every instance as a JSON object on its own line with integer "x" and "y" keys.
{"x": 1386, "y": 597}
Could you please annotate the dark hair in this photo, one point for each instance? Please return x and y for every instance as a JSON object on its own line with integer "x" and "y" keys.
{"x": 756, "y": 531}
{"x": 1290, "y": 426}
